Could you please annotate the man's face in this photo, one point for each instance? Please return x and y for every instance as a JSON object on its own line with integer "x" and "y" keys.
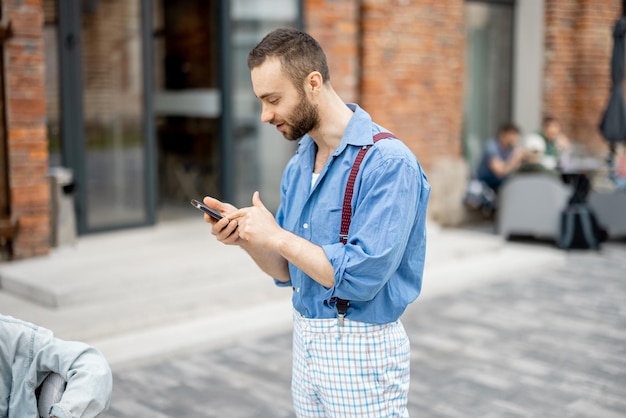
{"x": 509, "y": 139}
{"x": 552, "y": 130}
{"x": 284, "y": 105}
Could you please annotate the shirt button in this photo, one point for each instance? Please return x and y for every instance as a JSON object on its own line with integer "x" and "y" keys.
{"x": 297, "y": 290}
{"x": 305, "y": 226}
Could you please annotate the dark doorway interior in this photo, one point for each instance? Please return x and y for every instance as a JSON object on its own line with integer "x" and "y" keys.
{"x": 187, "y": 102}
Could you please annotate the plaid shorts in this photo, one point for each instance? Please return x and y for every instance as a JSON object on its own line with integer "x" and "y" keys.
{"x": 358, "y": 370}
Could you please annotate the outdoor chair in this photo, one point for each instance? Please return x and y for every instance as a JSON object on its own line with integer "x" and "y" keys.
{"x": 610, "y": 211}
{"x": 530, "y": 205}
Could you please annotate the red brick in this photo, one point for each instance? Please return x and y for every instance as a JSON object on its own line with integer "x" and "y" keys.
{"x": 577, "y": 68}
{"x": 35, "y": 194}
{"x": 25, "y": 107}
{"x": 26, "y": 21}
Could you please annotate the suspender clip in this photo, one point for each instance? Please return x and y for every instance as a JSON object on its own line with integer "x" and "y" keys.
{"x": 342, "y": 308}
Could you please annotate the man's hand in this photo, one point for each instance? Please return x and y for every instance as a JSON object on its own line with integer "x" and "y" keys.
{"x": 502, "y": 168}
{"x": 518, "y": 156}
{"x": 225, "y": 230}
{"x": 562, "y": 143}
{"x": 257, "y": 225}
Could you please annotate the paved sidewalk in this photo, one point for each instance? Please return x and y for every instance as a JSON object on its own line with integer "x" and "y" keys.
{"x": 144, "y": 293}
{"x": 547, "y": 343}
{"x": 193, "y": 329}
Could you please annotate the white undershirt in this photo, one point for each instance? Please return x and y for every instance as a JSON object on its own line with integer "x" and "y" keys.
{"x": 314, "y": 178}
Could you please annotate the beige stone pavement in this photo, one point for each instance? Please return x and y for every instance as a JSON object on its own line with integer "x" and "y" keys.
{"x": 143, "y": 293}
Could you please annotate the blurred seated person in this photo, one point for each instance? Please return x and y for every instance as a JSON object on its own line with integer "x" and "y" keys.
{"x": 556, "y": 141}
{"x": 31, "y": 357}
{"x": 501, "y": 157}
{"x": 534, "y": 148}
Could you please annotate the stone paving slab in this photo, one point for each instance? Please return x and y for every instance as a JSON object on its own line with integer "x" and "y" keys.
{"x": 145, "y": 292}
{"x": 548, "y": 343}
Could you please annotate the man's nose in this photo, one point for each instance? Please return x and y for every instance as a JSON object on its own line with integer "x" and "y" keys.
{"x": 266, "y": 115}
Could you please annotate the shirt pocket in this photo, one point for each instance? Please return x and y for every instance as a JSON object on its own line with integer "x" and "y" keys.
{"x": 325, "y": 223}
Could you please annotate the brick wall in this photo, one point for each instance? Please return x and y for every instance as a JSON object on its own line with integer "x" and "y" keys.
{"x": 335, "y": 25}
{"x": 578, "y": 45}
{"x": 406, "y": 69}
{"x": 412, "y": 83}
{"x": 26, "y": 117}
{"x": 111, "y": 88}
{"x": 413, "y": 65}
{"x": 404, "y": 62}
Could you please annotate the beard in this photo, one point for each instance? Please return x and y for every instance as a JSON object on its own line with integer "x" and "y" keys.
{"x": 305, "y": 118}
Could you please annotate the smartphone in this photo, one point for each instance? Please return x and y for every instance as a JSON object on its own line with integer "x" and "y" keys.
{"x": 204, "y": 208}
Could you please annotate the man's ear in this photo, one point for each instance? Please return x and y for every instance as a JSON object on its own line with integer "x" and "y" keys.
{"x": 313, "y": 82}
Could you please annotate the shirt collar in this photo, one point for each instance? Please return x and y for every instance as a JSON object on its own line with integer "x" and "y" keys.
{"x": 357, "y": 133}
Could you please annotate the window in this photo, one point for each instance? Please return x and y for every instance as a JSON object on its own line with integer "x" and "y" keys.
{"x": 488, "y": 74}
{"x": 260, "y": 153}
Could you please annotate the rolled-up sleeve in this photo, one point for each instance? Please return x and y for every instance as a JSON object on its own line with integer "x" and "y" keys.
{"x": 384, "y": 213}
{"x": 87, "y": 373}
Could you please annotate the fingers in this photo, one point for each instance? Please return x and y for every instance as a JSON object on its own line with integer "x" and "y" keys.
{"x": 235, "y": 223}
{"x": 240, "y": 213}
{"x": 256, "y": 200}
{"x": 213, "y": 203}
{"x": 225, "y": 230}
{"x": 256, "y": 203}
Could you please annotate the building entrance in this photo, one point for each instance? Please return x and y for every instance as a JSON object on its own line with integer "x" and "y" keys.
{"x": 97, "y": 107}
{"x": 187, "y": 100}
{"x": 149, "y": 103}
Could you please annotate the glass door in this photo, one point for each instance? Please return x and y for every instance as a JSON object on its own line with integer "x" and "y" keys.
{"x": 104, "y": 129}
{"x": 187, "y": 103}
{"x": 259, "y": 154}
{"x": 488, "y": 74}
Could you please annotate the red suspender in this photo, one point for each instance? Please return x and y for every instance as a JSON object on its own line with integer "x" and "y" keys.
{"x": 346, "y": 211}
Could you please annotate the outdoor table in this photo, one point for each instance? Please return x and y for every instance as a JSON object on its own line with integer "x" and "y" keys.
{"x": 576, "y": 172}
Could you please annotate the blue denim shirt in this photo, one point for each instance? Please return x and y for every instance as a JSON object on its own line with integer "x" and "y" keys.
{"x": 484, "y": 172}
{"x": 380, "y": 268}
{"x": 29, "y": 353}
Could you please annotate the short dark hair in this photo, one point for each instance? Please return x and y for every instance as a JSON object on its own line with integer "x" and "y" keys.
{"x": 299, "y": 54}
{"x": 548, "y": 120}
{"x": 508, "y": 127}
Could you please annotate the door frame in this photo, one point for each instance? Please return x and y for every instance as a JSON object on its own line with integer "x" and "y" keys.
{"x": 227, "y": 146}
{"x": 72, "y": 117}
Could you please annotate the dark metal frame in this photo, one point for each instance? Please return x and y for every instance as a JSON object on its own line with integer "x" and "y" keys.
{"x": 513, "y": 4}
{"x": 72, "y": 117}
{"x": 227, "y": 146}
{"x": 71, "y": 102}
{"x": 150, "y": 153}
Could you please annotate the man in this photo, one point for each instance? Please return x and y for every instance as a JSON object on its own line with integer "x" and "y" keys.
{"x": 555, "y": 140}
{"x": 501, "y": 157}
{"x": 29, "y": 355}
{"x": 357, "y": 366}
{"x": 534, "y": 154}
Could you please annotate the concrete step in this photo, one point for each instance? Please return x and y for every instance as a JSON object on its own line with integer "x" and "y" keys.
{"x": 223, "y": 327}
{"x": 136, "y": 294}
{"x": 124, "y": 264}
{"x": 181, "y": 255}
